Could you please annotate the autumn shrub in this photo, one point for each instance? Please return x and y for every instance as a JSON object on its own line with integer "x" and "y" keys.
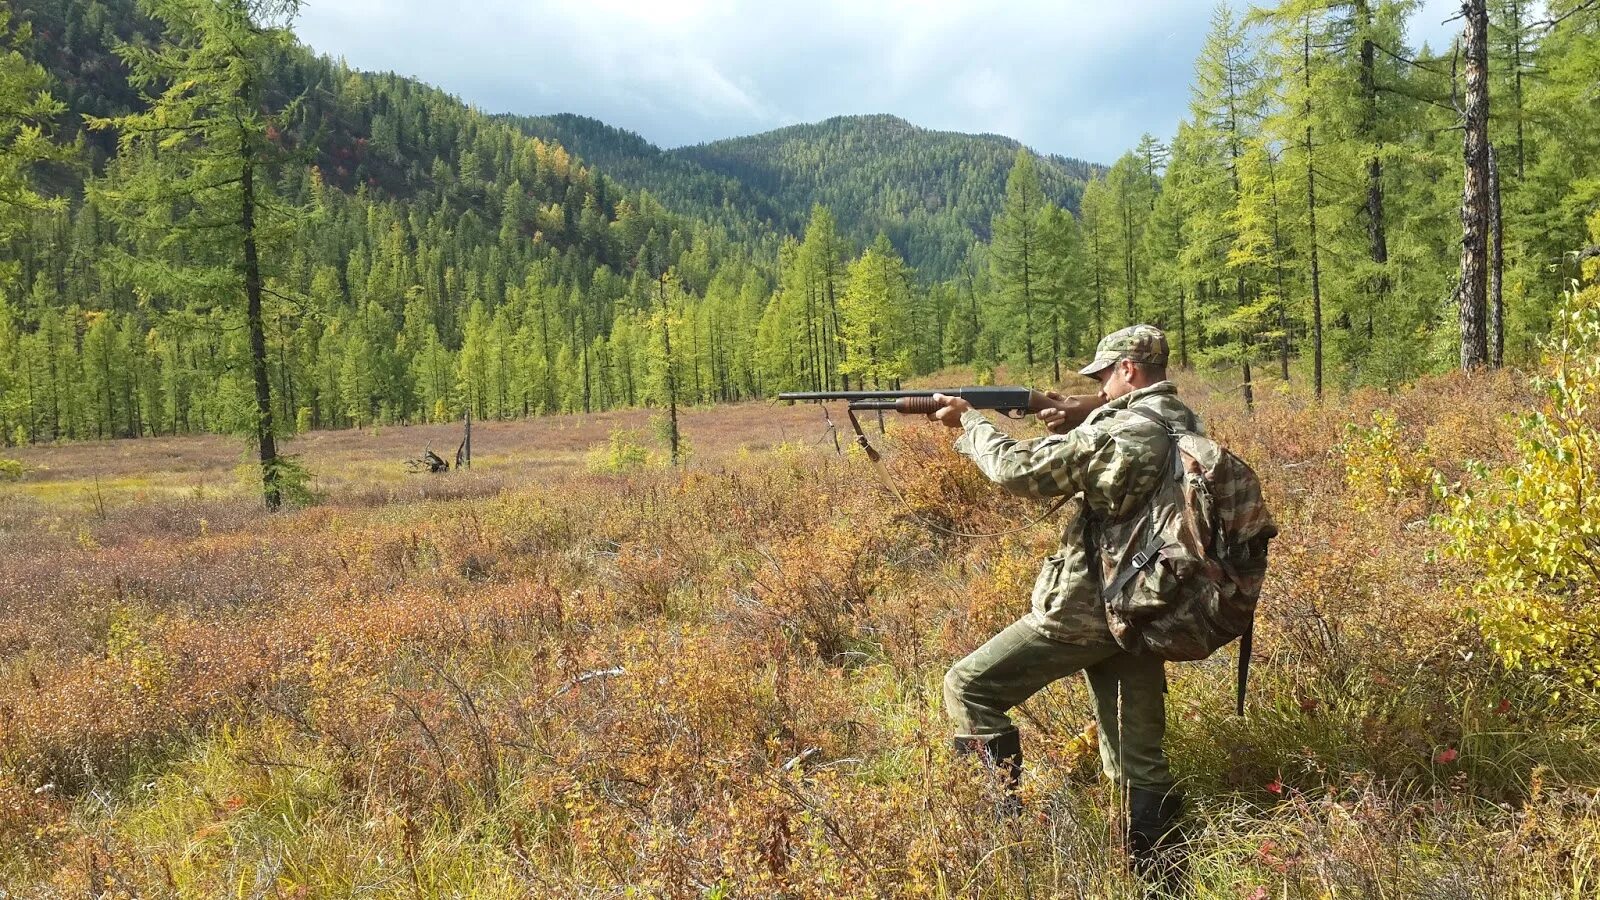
{"x": 623, "y": 452}
{"x": 722, "y": 680}
{"x": 1532, "y": 525}
{"x": 1383, "y": 467}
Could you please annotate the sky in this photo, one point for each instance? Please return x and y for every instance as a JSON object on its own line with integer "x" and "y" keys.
{"x": 1082, "y": 78}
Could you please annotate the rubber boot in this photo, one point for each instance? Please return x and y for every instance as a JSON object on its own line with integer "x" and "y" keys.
{"x": 1155, "y": 840}
{"x": 1002, "y": 755}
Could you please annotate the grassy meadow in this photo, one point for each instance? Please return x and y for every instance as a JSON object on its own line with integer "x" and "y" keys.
{"x": 575, "y": 672}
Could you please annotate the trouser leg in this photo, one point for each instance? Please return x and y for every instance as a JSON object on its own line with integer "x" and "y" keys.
{"x": 1014, "y": 665}
{"x": 1131, "y": 750}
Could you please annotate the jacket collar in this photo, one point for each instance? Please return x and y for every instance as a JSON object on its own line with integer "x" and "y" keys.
{"x": 1132, "y": 397}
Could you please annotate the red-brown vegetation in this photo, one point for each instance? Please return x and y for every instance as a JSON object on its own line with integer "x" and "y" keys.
{"x": 529, "y": 680}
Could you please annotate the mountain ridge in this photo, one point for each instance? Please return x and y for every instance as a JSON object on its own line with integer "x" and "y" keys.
{"x": 932, "y": 192}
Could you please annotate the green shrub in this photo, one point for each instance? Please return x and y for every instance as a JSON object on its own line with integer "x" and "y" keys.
{"x": 623, "y": 452}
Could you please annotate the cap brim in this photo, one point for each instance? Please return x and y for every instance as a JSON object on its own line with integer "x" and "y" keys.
{"x": 1097, "y": 367}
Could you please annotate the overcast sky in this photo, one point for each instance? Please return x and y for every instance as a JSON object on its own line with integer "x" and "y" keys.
{"x": 1081, "y": 78}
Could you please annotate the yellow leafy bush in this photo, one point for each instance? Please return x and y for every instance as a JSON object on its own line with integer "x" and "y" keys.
{"x": 1534, "y": 525}
{"x": 623, "y": 452}
{"x": 1383, "y": 467}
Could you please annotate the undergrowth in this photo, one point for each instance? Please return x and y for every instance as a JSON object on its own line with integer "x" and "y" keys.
{"x": 724, "y": 682}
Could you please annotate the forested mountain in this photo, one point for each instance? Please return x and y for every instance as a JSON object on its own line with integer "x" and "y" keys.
{"x": 931, "y": 192}
{"x": 681, "y": 184}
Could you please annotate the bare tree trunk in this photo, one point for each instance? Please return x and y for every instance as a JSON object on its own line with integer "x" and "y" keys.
{"x": 672, "y": 378}
{"x": 1277, "y": 268}
{"x": 1377, "y": 236}
{"x": 1475, "y": 191}
{"x": 1183, "y": 329}
{"x": 266, "y": 441}
{"x": 1497, "y": 262}
{"x": 1311, "y": 209}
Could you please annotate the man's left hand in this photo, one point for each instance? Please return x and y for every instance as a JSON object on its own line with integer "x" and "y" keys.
{"x": 951, "y": 410}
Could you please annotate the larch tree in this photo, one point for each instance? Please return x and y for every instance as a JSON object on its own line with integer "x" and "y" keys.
{"x": 26, "y": 113}
{"x": 1016, "y": 252}
{"x": 1227, "y": 105}
{"x": 195, "y": 173}
{"x": 1096, "y": 211}
{"x": 24, "y": 143}
{"x": 875, "y": 317}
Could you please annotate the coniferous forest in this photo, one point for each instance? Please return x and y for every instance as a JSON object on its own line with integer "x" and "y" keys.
{"x": 208, "y": 227}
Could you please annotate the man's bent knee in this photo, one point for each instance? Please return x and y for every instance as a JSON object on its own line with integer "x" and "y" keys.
{"x": 955, "y": 688}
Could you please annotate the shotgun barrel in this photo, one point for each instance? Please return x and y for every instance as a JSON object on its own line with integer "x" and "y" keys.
{"x": 1012, "y": 401}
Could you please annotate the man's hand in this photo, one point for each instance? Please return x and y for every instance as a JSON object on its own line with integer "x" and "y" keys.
{"x": 1054, "y": 419}
{"x": 951, "y": 410}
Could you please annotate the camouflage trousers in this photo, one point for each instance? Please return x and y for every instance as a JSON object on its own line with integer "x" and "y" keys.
{"x": 1019, "y": 662}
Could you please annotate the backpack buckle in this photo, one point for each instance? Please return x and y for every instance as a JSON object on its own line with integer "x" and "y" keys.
{"x": 1140, "y": 559}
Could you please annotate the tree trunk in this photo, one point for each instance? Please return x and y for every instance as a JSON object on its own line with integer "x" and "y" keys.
{"x": 1055, "y": 343}
{"x": 1497, "y": 309}
{"x": 1183, "y": 330}
{"x": 1277, "y": 268}
{"x": 1516, "y": 82}
{"x": 1244, "y": 349}
{"x": 1377, "y": 236}
{"x": 1099, "y": 294}
{"x": 1311, "y": 209}
{"x": 672, "y": 378}
{"x": 1027, "y": 301}
{"x": 1129, "y": 265}
{"x": 265, "y": 437}
{"x": 1475, "y": 190}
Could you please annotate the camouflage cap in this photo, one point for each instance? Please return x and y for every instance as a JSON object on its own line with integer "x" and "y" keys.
{"x": 1140, "y": 343}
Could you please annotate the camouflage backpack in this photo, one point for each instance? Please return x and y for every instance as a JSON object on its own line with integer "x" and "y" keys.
{"x": 1181, "y": 577}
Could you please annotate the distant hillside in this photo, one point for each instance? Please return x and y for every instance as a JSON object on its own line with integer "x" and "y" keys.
{"x": 931, "y": 192}
{"x": 680, "y": 183}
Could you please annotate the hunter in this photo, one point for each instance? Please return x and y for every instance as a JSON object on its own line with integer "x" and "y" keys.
{"x": 1112, "y": 464}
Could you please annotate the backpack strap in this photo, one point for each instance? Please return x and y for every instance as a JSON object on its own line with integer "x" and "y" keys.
{"x": 1245, "y": 649}
{"x": 1153, "y": 544}
{"x": 1152, "y": 416}
{"x": 1136, "y": 565}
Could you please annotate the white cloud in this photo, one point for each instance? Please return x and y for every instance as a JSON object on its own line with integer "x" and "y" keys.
{"x": 1078, "y": 77}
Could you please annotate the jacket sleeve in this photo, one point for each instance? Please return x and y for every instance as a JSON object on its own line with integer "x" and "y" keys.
{"x": 1054, "y": 466}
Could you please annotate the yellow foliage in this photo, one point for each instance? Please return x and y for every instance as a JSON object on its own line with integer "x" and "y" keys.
{"x": 1382, "y": 466}
{"x": 1534, "y": 525}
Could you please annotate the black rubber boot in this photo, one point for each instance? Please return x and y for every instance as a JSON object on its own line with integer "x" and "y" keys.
{"x": 1002, "y": 755}
{"x": 1155, "y": 840}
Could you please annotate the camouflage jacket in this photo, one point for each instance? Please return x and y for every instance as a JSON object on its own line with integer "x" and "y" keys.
{"x": 1111, "y": 463}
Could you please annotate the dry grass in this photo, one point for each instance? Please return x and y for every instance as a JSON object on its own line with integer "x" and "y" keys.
{"x": 722, "y": 681}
